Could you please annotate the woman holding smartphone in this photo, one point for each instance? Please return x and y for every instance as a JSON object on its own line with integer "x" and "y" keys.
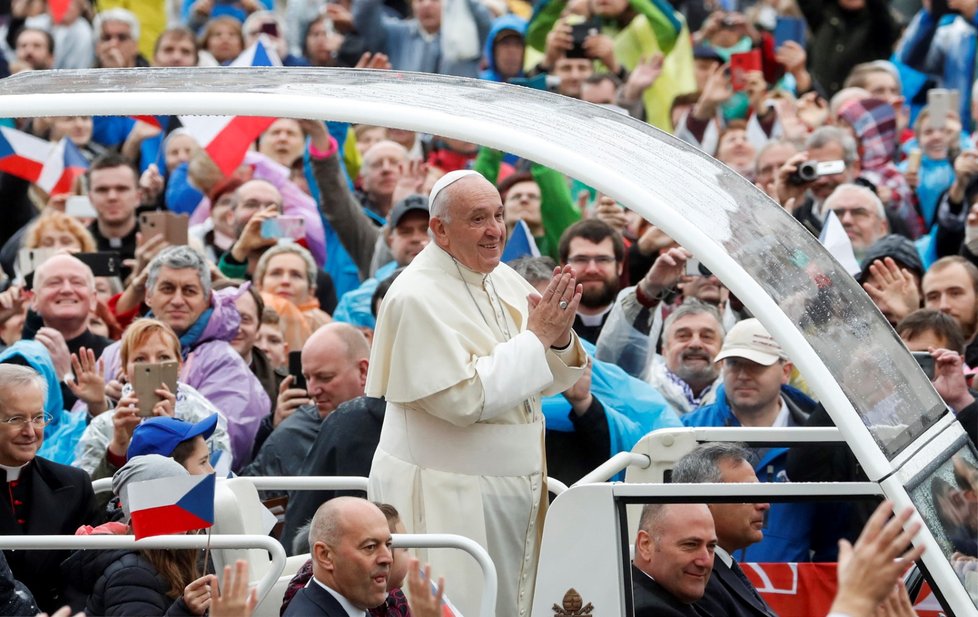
{"x": 102, "y": 448}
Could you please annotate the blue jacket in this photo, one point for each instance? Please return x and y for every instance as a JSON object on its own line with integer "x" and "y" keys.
{"x": 788, "y": 529}
{"x": 632, "y": 407}
{"x": 65, "y": 429}
{"x": 944, "y": 48}
{"x": 510, "y": 23}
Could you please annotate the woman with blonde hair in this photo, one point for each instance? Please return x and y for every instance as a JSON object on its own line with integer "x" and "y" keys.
{"x": 55, "y": 229}
{"x": 288, "y": 272}
{"x": 102, "y": 448}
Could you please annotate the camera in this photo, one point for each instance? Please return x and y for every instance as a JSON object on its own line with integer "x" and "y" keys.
{"x": 809, "y": 171}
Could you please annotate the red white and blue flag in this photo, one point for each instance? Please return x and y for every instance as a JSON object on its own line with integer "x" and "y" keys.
{"x": 227, "y": 138}
{"x": 171, "y": 505}
{"x": 52, "y": 166}
{"x": 520, "y": 243}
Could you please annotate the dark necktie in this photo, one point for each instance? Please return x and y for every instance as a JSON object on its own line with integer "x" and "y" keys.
{"x": 735, "y": 567}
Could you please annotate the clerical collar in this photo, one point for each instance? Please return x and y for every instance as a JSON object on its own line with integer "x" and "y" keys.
{"x": 724, "y": 556}
{"x": 351, "y": 610}
{"x": 467, "y": 274}
{"x": 13, "y": 473}
{"x": 595, "y": 320}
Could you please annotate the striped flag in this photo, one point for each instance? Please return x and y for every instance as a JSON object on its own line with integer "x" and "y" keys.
{"x": 52, "y": 166}
{"x": 171, "y": 505}
{"x": 227, "y": 138}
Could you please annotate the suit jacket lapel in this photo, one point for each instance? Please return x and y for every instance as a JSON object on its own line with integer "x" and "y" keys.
{"x": 325, "y": 600}
{"x": 732, "y": 582}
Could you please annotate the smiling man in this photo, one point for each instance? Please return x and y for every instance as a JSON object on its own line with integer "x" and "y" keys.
{"x": 738, "y": 525}
{"x": 596, "y": 253}
{"x": 463, "y": 350}
{"x": 862, "y": 216}
{"x": 673, "y": 559}
{"x": 64, "y": 299}
{"x": 45, "y": 498}
{"x": 350, "y": 542}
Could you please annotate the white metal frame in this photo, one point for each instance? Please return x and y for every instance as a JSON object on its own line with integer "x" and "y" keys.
{"x": 266, "y": 543}
{"x": 648, "y": 171}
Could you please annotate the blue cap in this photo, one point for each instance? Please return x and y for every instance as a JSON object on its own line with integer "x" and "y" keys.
{"x": 161, "y": 435}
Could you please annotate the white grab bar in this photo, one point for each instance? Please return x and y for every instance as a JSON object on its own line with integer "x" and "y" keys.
{"x": 447, "y": 540}
{"x": 275, "y": 568}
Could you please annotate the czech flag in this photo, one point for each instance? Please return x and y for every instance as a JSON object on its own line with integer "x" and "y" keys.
{"x": 171, "y": 505}
{"x": 62, "y": 167}
{"x": 227, "y": 138}
{"x": 53, "y": 167}
{"x": 520, "y": 243}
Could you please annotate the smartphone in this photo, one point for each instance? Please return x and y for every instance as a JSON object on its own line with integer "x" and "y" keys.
{"x": 939, "y": 101}
{"x": 105, "y": 263}
{"x": 695, "y": 267}
{"x": 269, "y": 28}
{"x": 741, "y": 65}
{"x": 284, "y": 227}
{"x": 80, "y": 206}
{"x": 148, "y": 377}
{"x": 295, "y": 369}
{"x": 580, "y": 32}
{"x": 789, "y": 29}
{"x": 173, "y": 227}
{"x": 926, "y": 362}
{"x": 913, "y": 161}
{"x": 28, "y": 260}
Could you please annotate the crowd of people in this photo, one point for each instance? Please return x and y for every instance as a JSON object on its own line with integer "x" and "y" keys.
{"x": 337, "y": 305}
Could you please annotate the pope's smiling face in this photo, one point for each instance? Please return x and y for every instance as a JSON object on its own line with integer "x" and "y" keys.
{"x": 474, "y": 231}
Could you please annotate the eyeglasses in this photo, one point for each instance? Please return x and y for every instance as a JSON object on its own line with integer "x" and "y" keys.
{"x": 584, "y": 260}
{"x": 39, "y": 421}
{"x": 122, "y": 37}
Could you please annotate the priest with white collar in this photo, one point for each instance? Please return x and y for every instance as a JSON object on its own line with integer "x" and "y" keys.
{"x": 463, "y": 351}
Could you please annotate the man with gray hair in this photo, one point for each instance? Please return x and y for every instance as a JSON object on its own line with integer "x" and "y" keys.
{"x": 862, "y": 216}
{"x": 178, "y": 291}
{"x": 350, "y": 542}
{"x": 465, "y": 424}
{"x": 117, "y": 40}
{"x": 738, "y": 525}
{"x": 826, "y": 143}
{"x": 44, "y": 498}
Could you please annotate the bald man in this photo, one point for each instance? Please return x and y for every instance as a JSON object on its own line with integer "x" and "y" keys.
{"x": 334, "y": 364}
{"x": 350, "y": 545}
{"x": 62, "y": 306}
{"x": 464, "y": 349}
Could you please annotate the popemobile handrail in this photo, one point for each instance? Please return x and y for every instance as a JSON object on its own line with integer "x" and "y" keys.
{"x": 217, "y": 541}
{"x": 784, "y": 436}
{"x": 447, "y": 540}
{"x": 311, "y": 483}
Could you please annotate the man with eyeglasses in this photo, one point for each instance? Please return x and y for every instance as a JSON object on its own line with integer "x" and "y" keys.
{"x": 117, "y": 40}
{"x": 595, "y": 251}
{"x": 862, "y": 216}
{"x": 42, "y": 497}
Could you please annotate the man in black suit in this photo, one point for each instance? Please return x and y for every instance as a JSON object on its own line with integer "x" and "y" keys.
{"x": 738, "y": 525}
{"x": 351, "y": 560}
{"x": 42, "y": 497}
{"x": 673, "y": 559}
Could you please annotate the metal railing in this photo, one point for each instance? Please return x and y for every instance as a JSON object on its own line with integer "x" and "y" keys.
{"x": 217, "y": 541}
{"x": 447, "y": 540}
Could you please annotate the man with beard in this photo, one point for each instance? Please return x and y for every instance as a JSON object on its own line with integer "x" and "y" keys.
{"x": 595, "y": 251}
{"x": 685, "y": 372}
{"x": 827, "y": 143}
{"x": 951, "y": 287}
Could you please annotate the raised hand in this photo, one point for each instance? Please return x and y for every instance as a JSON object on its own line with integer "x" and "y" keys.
{"x": 552, "y": 314}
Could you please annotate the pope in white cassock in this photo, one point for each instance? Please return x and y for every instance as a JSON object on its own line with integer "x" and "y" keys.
{"x": 463, "y": 351}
